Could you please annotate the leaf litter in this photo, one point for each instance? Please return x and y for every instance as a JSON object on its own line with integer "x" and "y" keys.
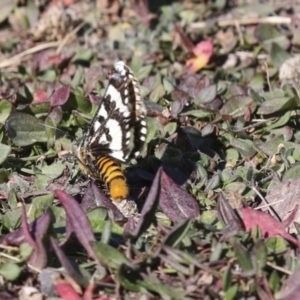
{"x": 221, "y": 86}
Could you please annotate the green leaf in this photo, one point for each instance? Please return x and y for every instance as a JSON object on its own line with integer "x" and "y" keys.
{"x": 276, "y": 105}
{"x": 226, "y": 279}
{"x": 6, "y": 8}
{"x": 83, "y": 55}
{"x": 175, "y": 236}
{"x": 268, "y": 34}
{"x": 24, "y": 129}
{"x": 271, "y": 147}
{"x": 129, "y": 278}
{"x": 4, "y": 174}
{"x": 98, "y": 213}
{"x": 292, "y": 172}
{"x": 47, "y": 173}
{"x": 243, "y": 257}
{"x": 244, "y": 147}
{"x": 48, "y": 75}
{"x": 170, "y": 128}
{"x": 143, "y": 72}
{"x": 217, "y": 252}
{"x": 109, "y": 255}
{"x": 43, "y": 202}
{"x": 12, "y": 199}
{"x": 276, "y": 245}
{"x": 106, "y": 234}
{"x": 197, "y": 113}
{"x": 260, "y": 258}
{"x": 157, "y": 93}
{"x": 278, "y": 55}
{"x": 168, "y": 86}
{"x": 25, "y": 251}
{"x": 236, "y": 186}
{"x": 5, "y": 110}
{"x": 166, "y": 291}
{"x": 10, "y": 271}
{"x": 78, "y": 101}
{"x": 236, "y": 106}
{"x": 231, "y": 293}
{"x": 4, "y": 152}
{"x": 280, "y": 122}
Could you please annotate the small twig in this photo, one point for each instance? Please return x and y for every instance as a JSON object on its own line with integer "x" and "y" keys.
{"x": 268, "y": 76}
{"x": 270, "y": 208}
{"x": 69, "y": 36}
{"x": 10, "y": 257}
{"x": 285, "y": 271}
{"x": 249, "y": 21}
{"x": 223, "y": 23}
{"x": 238, "y": 29}
{"x": 267, "y": 205}
{"x": 258, "y": 123}
{"x": 14, "y": 60}
{"x": 9, "y": 248}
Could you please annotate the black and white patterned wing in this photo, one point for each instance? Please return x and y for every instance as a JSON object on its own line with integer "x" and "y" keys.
{"x": 119, "y": 127}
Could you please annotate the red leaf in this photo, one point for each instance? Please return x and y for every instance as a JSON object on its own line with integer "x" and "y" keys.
{"x": 203, "y": 52}
{"x": 40, "y": 96}
{"x": 267, "y": 224}
{"x": 60, "y": 96}
{"x": 66, "y": 292}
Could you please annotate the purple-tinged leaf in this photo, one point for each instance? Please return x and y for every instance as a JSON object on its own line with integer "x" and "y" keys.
{"x": 94, "y": 197}
{"x": 4, "y": 295}
{"x": 129, "y": 225}
{"x": 175, "y": 202}
{"x": 71, "y": 269}
{"x": 60, "y": 96}
{"x": 56, "y": 114}
{"x": 228, "y": 217}
{"x": 225, "y": 211}
{"x": 180, "y": 99}
{"x": 149, "y": 208}
{"x": 37, "y": 227}
{"x": 291, "y": 288}
{"x": 185, "y": 41}
{"x": 79, "y": 222}
{"x": 25, "y": 227}
{"x": 142, "y": 10}
{"x": 91, "y": 78}
{"x": 95, "y": 99}
{"x": 38, "y": 259}
{"x": 263, "y": 288}
{"x": 192, "y": 84}
{"x": 61, "y": 61}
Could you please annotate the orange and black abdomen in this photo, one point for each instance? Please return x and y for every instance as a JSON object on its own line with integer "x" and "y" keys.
{"x": 113, "y": 177}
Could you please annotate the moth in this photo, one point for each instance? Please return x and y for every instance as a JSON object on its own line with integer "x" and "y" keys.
{"x": 116, "y": 134}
